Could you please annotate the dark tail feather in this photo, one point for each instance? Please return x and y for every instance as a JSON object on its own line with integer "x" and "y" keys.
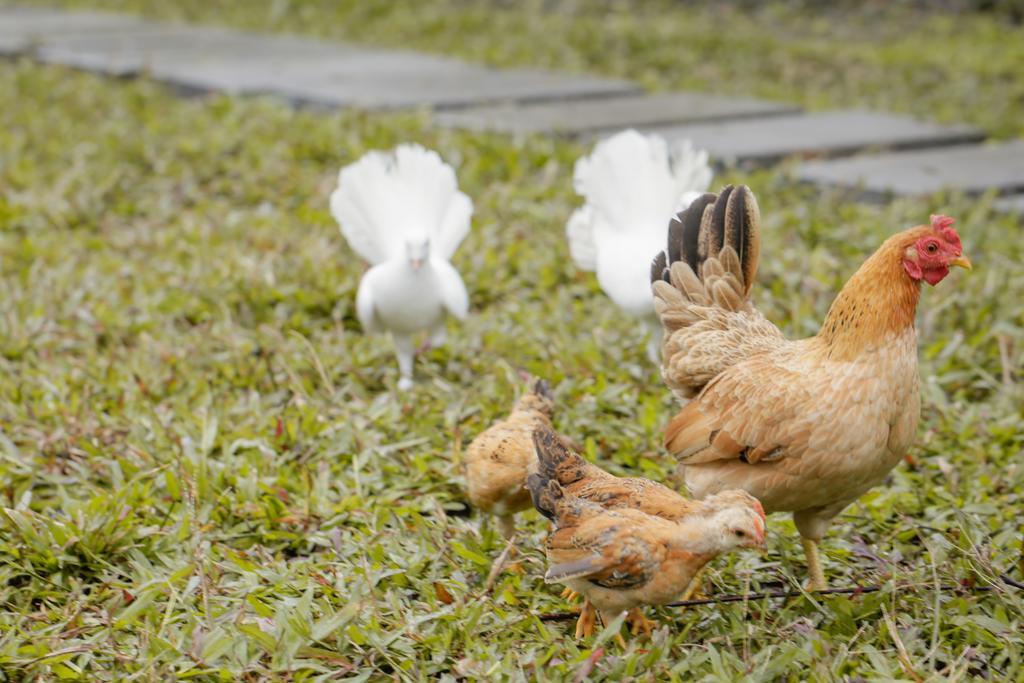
{"x": 709, "y": 224}
{"x": 543, "y": 389}
{"x": 554, "y": 459}
{"x": 545, "y": 494}
{"x": 684, "y": 237}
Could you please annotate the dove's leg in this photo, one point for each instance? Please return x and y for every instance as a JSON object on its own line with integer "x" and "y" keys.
{"x": 438, "y": 335}
{"x": 654, "y": 342}
{"x": 404, "y": 350}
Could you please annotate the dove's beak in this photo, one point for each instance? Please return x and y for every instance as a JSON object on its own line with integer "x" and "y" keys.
{"x": 416, "y": 263}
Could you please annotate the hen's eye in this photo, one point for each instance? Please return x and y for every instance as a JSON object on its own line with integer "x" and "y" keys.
{"x": 740, "y": 533}
{"x": 932, "y": 247}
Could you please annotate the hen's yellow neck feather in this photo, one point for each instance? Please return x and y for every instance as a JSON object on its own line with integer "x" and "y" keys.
{"x": 879, "y": 301}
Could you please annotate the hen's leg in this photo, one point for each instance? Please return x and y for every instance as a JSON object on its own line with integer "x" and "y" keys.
{"x": 588, "y": 619}
{"x": 817, "y": 574}
{"x": 404, "y": 350}
{"x": 638, "y": 623}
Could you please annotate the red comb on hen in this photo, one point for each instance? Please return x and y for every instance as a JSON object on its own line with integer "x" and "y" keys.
{"x": 944, "y": 226}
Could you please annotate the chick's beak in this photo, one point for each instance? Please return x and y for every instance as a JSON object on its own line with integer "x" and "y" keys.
{"x": 961, "y": 261}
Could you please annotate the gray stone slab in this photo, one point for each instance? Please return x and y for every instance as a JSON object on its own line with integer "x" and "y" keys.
{"x": 824, "y": 134}
{"x": 446, "y": 88}
{"x": 612, "y": 113}
{"x": 972, "y": 169}
{"x": 1013, "y": 204}
{"x": 198, "y": 58}
{"x": 169, "y": 50}
{"x": 22, "y": 28}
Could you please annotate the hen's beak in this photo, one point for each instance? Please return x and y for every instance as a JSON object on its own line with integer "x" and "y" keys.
{"x": 961, "y": 261}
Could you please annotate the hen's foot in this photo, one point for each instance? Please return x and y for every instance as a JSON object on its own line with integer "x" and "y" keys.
{"x": 570, "y": 595}
{"x": 405, "y": 384}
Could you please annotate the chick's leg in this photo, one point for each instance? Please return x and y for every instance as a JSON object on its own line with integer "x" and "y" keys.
{"x": 609, "y": 618}
{"x": 817, "y": 574}
{"x": 507, "y": 526}
{"x": 694, "y": 586}
{"x": 638, "y": 623}
{"x": 404, "y": 352}
{"x": 588, "y": 619}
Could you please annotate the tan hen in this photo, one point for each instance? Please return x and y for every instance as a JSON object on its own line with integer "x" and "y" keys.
{"x": 806, "y": 426}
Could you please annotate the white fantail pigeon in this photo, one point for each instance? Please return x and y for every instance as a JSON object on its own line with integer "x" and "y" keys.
{"x": 403, "y": 212}
{"x": 632, "y": 185}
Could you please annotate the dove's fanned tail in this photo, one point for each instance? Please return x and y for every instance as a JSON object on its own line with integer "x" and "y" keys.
{"x": 634, "y": 183}
{"x": 385, "y": 198}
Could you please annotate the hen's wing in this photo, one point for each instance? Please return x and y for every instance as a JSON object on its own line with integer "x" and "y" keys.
{"x": 701, "y": 286}
{"x": 384, "y": 198}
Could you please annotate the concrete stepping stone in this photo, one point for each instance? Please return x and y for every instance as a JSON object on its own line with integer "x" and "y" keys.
{"x": 445, "y": 88}
{"x": 203, "y": 58}
{"x": 824, "y": 134}
{"x": 22, "y": 28}
{"x": 181, "y": 53}
{"x": 973, "y": 169}
{"x": 1013, "y": 204}
{"x": 573, "y": 117}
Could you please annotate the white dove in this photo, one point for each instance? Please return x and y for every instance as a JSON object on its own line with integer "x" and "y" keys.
{"x": 403, "y": 212}
{"x": 632, "y": 186}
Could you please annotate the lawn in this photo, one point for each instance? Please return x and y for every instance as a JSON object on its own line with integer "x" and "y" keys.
{"x": 205, "y": 473}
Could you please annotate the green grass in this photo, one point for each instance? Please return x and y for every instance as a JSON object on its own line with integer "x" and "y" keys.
{"x": 203, "y": 472}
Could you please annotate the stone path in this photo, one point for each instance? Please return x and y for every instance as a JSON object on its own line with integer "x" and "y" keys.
{"x": 973, "y": 169}
{"x": 897, "y": 155}
{"x": 576, "y": 117}
{"x": 833, "y": 133}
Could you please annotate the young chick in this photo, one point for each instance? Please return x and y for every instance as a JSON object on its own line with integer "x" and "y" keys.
{"x": 582, "y": 479}
{"x": 623, "y": 558}
{"x": 585, "y": 480}
{"x": 498, "y": 460}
